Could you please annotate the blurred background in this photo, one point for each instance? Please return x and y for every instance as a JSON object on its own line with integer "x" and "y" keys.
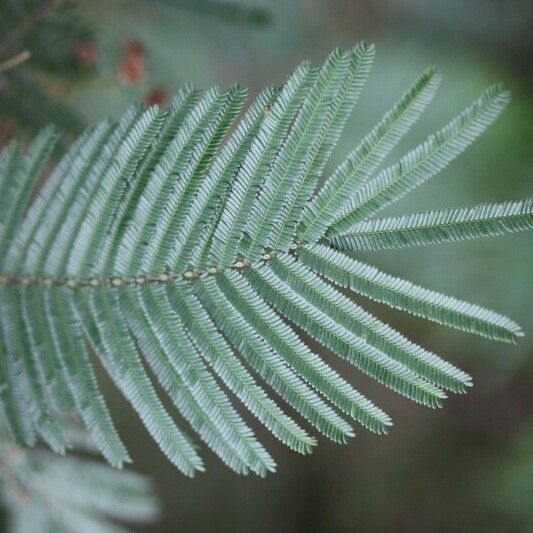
{"x": 467, "y": 467}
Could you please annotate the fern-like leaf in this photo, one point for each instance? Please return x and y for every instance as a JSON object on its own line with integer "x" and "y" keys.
{"x": 189, "y": 254}
{"x": 298, "y": 165}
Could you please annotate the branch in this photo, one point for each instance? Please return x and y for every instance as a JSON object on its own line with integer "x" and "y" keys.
{"x": 15, "y": 61}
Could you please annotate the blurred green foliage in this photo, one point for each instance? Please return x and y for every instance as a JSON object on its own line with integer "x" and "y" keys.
{"x": 33, "y": 94}
{"x": 64, "y": 54}
{"x": 43, "y": 492}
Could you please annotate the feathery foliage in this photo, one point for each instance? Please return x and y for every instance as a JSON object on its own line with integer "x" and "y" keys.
{"x": 180, "y": 250}
{"x": 44, "y": 492}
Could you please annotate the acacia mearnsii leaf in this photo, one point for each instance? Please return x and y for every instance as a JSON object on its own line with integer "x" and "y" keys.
{"x": 38, "y": 398}
{"x": 9, "y": 162}
{"x": 15, "y": 385}
{"x": 280, "y": 337}
{"x": 272, "y": 367}
{"x": 317, "y": 157}
{"x": 362, "y": 324}
{"x": 27, "y": 381}
{"x": 47, "y": 361}
{"x": 319, "y": 374}
{"x": 55, "y": 341}
{"x": 30, "y": 250}
{"x": 10, "y": 401}
{"x": 184, "y": 101}
{"x": 161, "y": 250}
{"x": 21, "y": 174}
{"x": 99, "y": 159}
{"x": 197, "y": 230}
{"x": 299, "y": 306}
{"x": 142, "y": 218}
{"x": 213, "y": 311}
{"x": 68, "y": 342}
{"x": 179, "y": 250}
{"x": 109, "y": 335}
{"x": 208, "y": 339}
{"x": 437, "y": 227}
{"x": 238, "y": 433}
{"x": 53, "y": 206}
{"x": 186, "y": 379}
{"x": 89, "y": 244}
{"x": 173, "y": 119}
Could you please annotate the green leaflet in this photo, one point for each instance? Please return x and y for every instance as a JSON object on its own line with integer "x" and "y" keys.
{"x": 16, "y": 420}
{"x": 197, "y": 231}
{"x": 434, "y": 154}
{"x": 360, "y": 323}
{"x": 162, "y": 251}
{"x": 436, "y": 227}
{"x": 163, "y": 148}
{"x": 214, "y": 190}
{"x": 9, "y": 163}
{"x": 174, "y": 240}
{"x": 280, "y": 338}
{"x": 107, "y": 200}
{"x": 139, "y": 234}
{"x": 69, "y": 345}
{"x": 207, "y": 340}
{"x": 99, "y": 162}
{"x": 21, "y": 421}
{"x": 339, "y": 189}
{"x": 17, "y": 184}
{"x": 298, "y": 164}
{"x": 28, "y": 381}
{"x": 319, "y": 374}
{"x": 401, "y": 294}
{"x": 307, "y": 313}
{"x": 186, "y": 379}
{"x": 255, "y": 165}
{"x": 38, "y": 335}
{"x": 108, "y": 333}
{"x": 270, "y": 368}
{"x": 37, "y": 236}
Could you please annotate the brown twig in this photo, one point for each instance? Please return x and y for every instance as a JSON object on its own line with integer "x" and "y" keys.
{"x": 15, "y": 61}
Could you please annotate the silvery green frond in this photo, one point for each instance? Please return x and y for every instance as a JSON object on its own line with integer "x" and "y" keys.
{"x": 194, "y": 252}
{"x": 401, "y": 294}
